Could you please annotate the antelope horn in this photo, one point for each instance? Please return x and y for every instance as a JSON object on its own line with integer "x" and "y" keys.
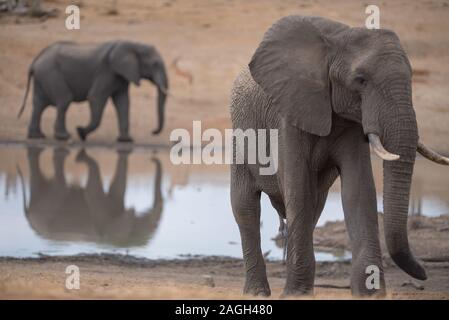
{"x": 432, "y": 155}
{"x": 379, "y": 149}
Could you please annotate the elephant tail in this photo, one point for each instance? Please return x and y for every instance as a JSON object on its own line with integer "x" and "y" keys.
{"x": 30, "y": 74}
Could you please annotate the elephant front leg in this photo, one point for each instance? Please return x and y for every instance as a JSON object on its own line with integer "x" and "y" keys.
{"x": 300, "y": 255}
{"x": 117, "y": 188}
{"x": 245, "y": 202}
{"x": 360, "y": 210}
{"x": 121, "y": 103}
{"x": 97, "y": 104}
{"x": 298, "y": 183}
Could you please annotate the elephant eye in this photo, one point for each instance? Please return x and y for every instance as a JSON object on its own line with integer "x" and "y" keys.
{"x": 360, "y": 81}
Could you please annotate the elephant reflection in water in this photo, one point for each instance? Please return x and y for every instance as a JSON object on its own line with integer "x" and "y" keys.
{"x": 59, "y": 211}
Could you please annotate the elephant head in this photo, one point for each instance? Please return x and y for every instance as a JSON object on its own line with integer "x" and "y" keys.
{"x": 313, "y": 68}
{"x": 134, "y": 61}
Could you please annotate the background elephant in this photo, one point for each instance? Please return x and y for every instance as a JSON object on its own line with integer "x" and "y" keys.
{"x": 59, "y": 211}
{"x": 66, "y": 71}
{"x": 327, "y": 87}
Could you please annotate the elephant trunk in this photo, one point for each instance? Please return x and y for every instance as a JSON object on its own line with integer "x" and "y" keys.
{"x": 148, "y": 221}
{"x": 400, "y": 137}
{"x": 24, "y": 195}
{"x": 160, "y": 80}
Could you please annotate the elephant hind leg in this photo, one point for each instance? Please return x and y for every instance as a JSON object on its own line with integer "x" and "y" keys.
{"x": 60, "y": 95}
{"x": 245, "y": 200}
{"x": 281, "y": 237}
{"x": 40, "y": 102}
{"x": 60, "y": 127}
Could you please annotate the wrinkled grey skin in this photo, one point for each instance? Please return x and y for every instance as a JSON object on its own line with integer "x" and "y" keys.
{"x": 325, "y": 86}
{"x": 58, "y": 210}
{"x": 66, "y": 71}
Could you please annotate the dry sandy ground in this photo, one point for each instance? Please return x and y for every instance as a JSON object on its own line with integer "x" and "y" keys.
{"x": 126, "y": 277}
{"x": 212, "y": 40}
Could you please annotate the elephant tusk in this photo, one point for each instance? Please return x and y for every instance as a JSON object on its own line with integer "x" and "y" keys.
{"x": 379, "y": 149}
{"x": 432, "y": 155}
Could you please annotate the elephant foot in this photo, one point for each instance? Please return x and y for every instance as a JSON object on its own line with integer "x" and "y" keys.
{"x": 363, "y": 288}
{"x": 63, "y": 136}
{"x": 299, "y": 292}
{"x": 257, "y": 289}
{"x": 125, "y": 139}
{"x": 81, "y": 133}
{"x": 380, "y": 293}
{"x": 36, "y": 135}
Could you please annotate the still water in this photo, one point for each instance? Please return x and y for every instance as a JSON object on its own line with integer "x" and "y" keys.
{"x": 64, "y": 201}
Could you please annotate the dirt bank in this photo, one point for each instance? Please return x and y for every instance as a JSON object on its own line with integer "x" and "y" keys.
{"x": 127, "y": 277}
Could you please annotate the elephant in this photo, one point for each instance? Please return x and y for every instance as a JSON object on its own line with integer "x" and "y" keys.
{"x": 62, "y": 212}
{"x": 330, "y": 91}
{"x": 66, "y": 71}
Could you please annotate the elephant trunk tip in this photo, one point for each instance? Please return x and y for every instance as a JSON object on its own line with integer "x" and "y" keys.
{"x": 157, "y": 131}
{"x": 162, "y": 95}
{"x": 408, "y": 263}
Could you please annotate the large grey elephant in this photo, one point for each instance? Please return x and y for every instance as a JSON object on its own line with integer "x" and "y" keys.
{"x": 328, "y": 89}
{"x": 58, "y": 210}
{"x": 66, "y": 71}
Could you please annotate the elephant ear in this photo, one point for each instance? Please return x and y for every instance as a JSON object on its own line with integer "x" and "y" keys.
{"x": 124, "y": 61}
{"x": 290, "y": 66}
